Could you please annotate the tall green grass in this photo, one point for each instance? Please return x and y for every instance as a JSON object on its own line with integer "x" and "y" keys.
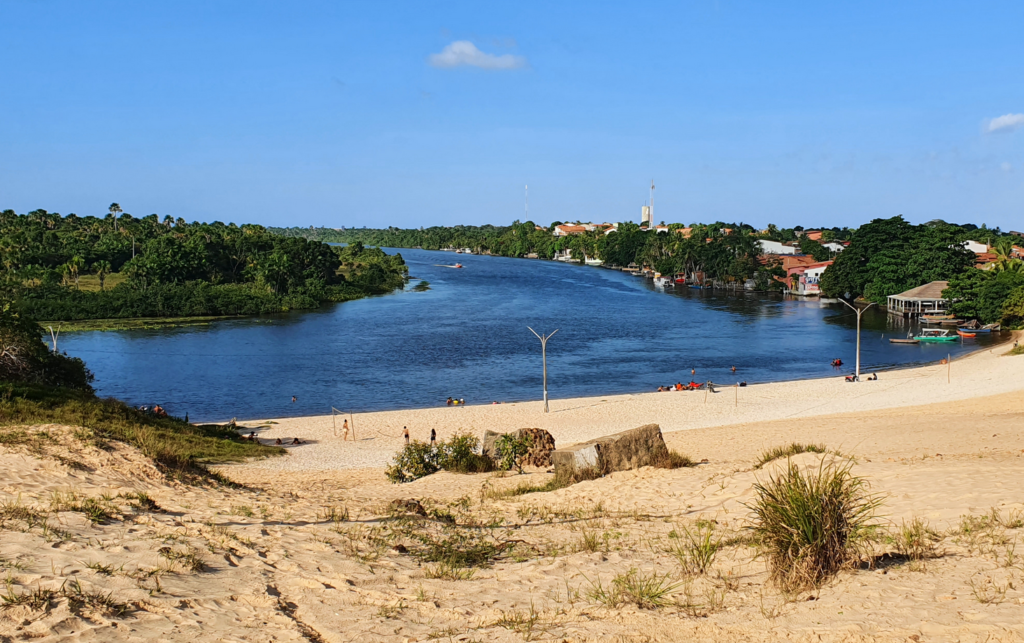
{"x": 809, "y": 524}
{"x": 178, "y": 448}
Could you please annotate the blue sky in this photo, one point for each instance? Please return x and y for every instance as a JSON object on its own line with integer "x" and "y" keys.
{"x": 427, "y": 113}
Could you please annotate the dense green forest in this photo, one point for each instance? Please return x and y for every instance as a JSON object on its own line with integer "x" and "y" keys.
{"x": 74, "y": 268}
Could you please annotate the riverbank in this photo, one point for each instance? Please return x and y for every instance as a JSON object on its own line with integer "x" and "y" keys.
{"x": 378, "y": 435}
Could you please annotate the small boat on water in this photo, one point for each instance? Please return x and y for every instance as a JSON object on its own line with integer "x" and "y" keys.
{"x": 964, "y": 333}
{"x": 904, "y": 341}
{"x": 936, "y": 335}
{"x": 936, "y": 317}
{"x": 680, "y": 277}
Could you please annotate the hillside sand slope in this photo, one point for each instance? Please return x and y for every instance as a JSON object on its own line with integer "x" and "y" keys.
{"x": 96, "y": 545}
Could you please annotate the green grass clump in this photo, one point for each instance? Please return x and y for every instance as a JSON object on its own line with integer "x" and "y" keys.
{"x": 695, "y": 549}
{"x": 915, "y": 540}
{"x": 646, "y": 591}
{"x": 809, "y": 525}
{"x": 1017, "y": 350}
{"x": 177, "y": 447}
{"x": 793, "y": 449}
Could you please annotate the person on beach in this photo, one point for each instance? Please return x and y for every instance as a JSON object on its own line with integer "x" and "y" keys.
{"x": 278, "y": 442}
{"x": 252, "y": 437}
{"x": 405, "y": 434}
{"x": 449, "y": 402}
{"x": 344, "y": 430}
{"x": 462, "y": 401}
{"x": 433, "y": 437}
{"x": 296, "y": 441}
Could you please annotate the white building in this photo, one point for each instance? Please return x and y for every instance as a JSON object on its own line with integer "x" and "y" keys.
{"x": 975, "y": 247}
{"x": 832, "y": 246}
{"x": 646, "y": 215}
{"x": 777, "y": 248}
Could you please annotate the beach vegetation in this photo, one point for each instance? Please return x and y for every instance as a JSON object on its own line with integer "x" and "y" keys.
{"x": 674, "y": 460}
{"x": 458, "y": 454}
{"x": 790, "y": 450}
{"x": 915, "y": 541}
{"x": 178, "y": 448}
{"x": 695, "y": 548}
{"x": 646, "y": 590}
{"x": 810, "y": 524}
{"x": 512, "y": 450}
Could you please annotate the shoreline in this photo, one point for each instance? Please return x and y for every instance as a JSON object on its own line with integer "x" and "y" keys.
{"x": 894, "y": 368}
{"x": 378, "y": 434}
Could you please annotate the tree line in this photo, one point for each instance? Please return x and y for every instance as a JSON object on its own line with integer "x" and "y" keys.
{"x": 883, "y": 257}
{"x": 171, "y": 267}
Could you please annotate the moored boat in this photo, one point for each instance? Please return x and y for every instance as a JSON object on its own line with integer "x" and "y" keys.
{"x": 964, "y": 333}
{"x": 904, "y": 341}
{"x": 936, "y": 335}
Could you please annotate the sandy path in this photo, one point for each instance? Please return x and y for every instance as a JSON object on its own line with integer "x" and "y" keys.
{"x": 983, "y": 373}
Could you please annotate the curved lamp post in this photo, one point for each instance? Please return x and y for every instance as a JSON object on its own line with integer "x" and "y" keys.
{"x": 544, "y": 357}
{"x": 859, "y": 311}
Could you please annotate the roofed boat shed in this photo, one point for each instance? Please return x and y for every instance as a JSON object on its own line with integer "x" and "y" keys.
{"x": 923, "y": 300}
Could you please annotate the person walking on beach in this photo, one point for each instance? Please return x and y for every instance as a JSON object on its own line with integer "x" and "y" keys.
{"x": 433, "y": 437}
{"x": 344, "y": 430}
{"x": 405, "y": 434}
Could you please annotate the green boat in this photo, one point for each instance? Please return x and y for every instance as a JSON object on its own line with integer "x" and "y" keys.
{"x": 936, "y": 335}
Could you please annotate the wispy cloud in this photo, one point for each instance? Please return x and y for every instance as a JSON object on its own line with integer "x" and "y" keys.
{"x": 463, "y": 52}
{"x": 1005, "y": 122}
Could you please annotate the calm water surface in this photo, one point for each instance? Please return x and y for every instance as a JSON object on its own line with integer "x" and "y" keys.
{"x": 467, "y": 337}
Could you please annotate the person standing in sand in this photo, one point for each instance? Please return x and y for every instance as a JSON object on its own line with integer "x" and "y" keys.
{"x": 433, "y": 437}
{"x": 344, "y": 430}
{"x": 405, "y": 434}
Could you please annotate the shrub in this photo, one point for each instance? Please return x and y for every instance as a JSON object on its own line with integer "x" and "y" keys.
{"x": 809, "y": 525}
{"x": 418, "y": 459}
{"x": 512, "y": 450}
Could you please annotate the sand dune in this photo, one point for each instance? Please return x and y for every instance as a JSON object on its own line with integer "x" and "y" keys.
{"x": 310, "y": 553}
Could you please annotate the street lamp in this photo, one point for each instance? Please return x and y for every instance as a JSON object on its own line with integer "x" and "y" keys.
{"x": 859, "y": 311}
{"x": 544, "y": 357}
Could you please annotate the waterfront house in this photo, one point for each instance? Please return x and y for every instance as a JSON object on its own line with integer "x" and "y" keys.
{"x": 804, "y": 279}
{"x": 975, "y": 247}
{"x": 923, "y": 300}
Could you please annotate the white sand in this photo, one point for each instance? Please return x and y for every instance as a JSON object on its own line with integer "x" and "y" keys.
{"x": 982, "y": 373}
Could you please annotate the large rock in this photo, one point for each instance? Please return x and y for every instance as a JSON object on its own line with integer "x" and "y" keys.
{"x": 631, "y": 449}
{"x": 542, "y": 445}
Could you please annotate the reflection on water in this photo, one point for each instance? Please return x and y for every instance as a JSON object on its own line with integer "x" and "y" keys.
{"x": 467, "y": 337}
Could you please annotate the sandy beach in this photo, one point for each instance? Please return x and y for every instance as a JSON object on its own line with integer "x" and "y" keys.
{"x": 310, "y": 550}
{"x": 378, "y": 435}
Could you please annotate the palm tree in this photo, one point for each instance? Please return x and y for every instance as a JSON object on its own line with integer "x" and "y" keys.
{"x": 102, "y": 269}
{"x": 114, "y": 210}
{"x": 75, "y": 265}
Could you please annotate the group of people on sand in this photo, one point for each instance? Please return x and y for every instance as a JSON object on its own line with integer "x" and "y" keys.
{"x": 456, "y": 401}
{"x": 433, "y": 436}
{"x": 279, "y": 442}
{"x": 679, "y": 386}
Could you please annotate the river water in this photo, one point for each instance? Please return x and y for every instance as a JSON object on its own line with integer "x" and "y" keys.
{"x": 467, "y": 337}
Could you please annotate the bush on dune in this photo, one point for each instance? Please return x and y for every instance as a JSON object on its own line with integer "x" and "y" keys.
{"x": 418, "y": 459}
{"x": 809, "y": 524}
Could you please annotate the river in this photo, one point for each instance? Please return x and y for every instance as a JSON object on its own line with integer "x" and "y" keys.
{"x": 467, "y": 337}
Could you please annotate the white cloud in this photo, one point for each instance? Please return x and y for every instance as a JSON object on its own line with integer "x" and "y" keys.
{"x": 1005, "y": 122}
{"x": 463, "y": 52}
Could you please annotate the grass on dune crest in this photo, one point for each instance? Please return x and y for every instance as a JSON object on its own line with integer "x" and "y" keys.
{"x": 177, "y": 447}
{"x": 790, "y": 450}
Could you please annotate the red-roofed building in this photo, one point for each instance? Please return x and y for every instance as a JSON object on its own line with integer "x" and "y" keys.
{"x": 803, "y": 280}
{"x": 566, "y": 230}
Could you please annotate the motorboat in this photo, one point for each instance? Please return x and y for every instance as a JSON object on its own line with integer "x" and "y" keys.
{"x": 964, "y": 333}
{"x": 904, "y": 341}
{"x": 936, "y": 335}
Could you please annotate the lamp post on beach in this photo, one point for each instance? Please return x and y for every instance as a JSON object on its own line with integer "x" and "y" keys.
{"x": 544, "y": 358}
{"x": 859, "y": 311}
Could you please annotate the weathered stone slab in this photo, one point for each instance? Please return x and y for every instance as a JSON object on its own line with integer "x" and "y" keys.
{"x": 639, "y": 447}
